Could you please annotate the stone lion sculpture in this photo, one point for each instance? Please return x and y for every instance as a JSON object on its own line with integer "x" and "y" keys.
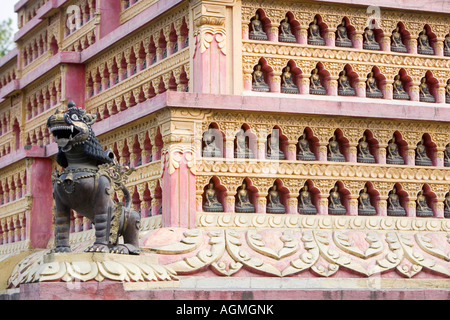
{"x": 90, "y": 176}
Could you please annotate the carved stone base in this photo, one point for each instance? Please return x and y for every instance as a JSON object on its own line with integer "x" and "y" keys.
{"x": 261, "y": 88}
{"x": 401, "y": 96}
{"x": 285, "y": 89}
{"x": 401, "y": 49}
{"x": 257, "y": 36}
{"x": 429, "y": 98}
{"x": 424, "y": 213}
{"x": 307, "y": 210}
{"x": 276, "y": 209}
{"x": 344, "y": 43}
{"x": 424, "y": 162}
{"x": 316, "y": 42}
{"x": 320, "y": 91}
{"x": 376, "y": 94}
{"x": 400, "y": 212}
{"x": 306, "y": 157}
{"x": 287, "y": 38}
{"x": 347, "y": 92}
{"x": 367, "y": 159}
{"x": 72, "y": 267}
{"x": 371, "y": 46}
{"x": 428, "y": 51}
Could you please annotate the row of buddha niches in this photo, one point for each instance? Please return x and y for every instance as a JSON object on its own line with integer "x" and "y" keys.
{"x": 346, "y": 82}
{"x": 259, "y": 25}
{"x": 338, "y": 200}
{"x": 337, "y": 148}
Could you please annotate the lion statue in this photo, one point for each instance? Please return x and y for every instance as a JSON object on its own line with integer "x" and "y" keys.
{"x": 90, "y": 176}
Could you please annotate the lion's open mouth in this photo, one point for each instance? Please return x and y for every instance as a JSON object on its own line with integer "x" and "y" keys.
{"x": 64, "y": 134}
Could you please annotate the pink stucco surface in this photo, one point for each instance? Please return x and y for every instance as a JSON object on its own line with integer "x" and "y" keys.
{"x": 109, "y": 290}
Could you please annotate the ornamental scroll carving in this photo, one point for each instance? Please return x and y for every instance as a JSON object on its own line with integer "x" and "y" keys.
{"x": 324, "y": 252}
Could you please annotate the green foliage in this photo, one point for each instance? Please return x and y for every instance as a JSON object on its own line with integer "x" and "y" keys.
{"x": 6, "y": 36}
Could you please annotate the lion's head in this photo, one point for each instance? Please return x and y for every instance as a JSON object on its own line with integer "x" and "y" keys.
{"x": 73, "y": 128}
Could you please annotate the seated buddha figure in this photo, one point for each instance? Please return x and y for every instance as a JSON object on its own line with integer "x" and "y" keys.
{"x": 447, "y": 155}
{"x": 242, "y": 149}
{"x": 256, "y": 29}
{"x": 447, "y": 45}
{"x": 287, "y": 81}
{"x": 273, "y": 201}
{"x": 396, "y": 41}
{"x": 315, "y": 84}
{"x": 334, "y": 153}
{"x": 399, "y": 92}
{"x": 392, "y": 154}
{"x": 314, "y": 37}
{"x": 447, "y": 92}
{"x": 364, "y": 155}
{"x": 422, "y": 158}
{"x": 369, "y": 42}
{"x": 304, "y": 152}
{"x": 305, "y": 205}
{"x": 273, "y": 148}
{"x": 424, "y": 92}
{"x": 447, "y": 205}
{"x": 211, "y": 204}
{"x": 342, "y": 39}
{"x": 258, "y": 80}
{"x": 394, "y": 207}
{"x": 423, "y": 43}
{"x": 335, "y": 206}
{"x": 243, "y": 204}
{"x": 344, "y": 87}
{"x": 210, "y": 149}
{"x": 365, "y": 208}
{"x": 372, "y": 90}
{"x": 422, "y": 208}
{"x": 286, "y": 32}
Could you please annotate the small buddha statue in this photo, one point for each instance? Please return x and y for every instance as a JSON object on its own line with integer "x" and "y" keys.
{"x": 424, "y": 92}
{"x": 372, "y": 90}
{"x": 316, "y": 86}
{"x": 421, "y": 155}
{"x": 334, "y": 153}
{"x": 243, "y": 204}
{"x": 344, "y": 88}
{"x": 335, "y": 206}
{"x": 210, "y": 149}
{"x": 447, "y": 92}
{"x": 242, "y": 149}
{"x": 273, "y": 148}
{"x": 342, "y": 39}
{"x": 393, "y": 204}
{"x": 365, "y": 208}
{"x": 399, "y": 92}
{"x": 256, "y": 29}
{"x": 287, "y": 82}
{"x": 304, "y": 152}
{"x": 273, "y": 201}
{"x": 211, "y": 204}
{"x": 396, "y": 41}
{"x": 369, "y": 42}
{"x": 305, "y": 205}
{"x": 423, "y": 43}
{"x": 285, "y": 31}
{"x": 447, "y": 205}
{"x": 422, "y": 208}
{"x": 447, "y": 45}
{"x": 258, "y": 80}
{"x": 392, "y": 155}
{"x": 314, "y": 37}
{"x": 364, "y": 155}
{"x": 447, "y": 155}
